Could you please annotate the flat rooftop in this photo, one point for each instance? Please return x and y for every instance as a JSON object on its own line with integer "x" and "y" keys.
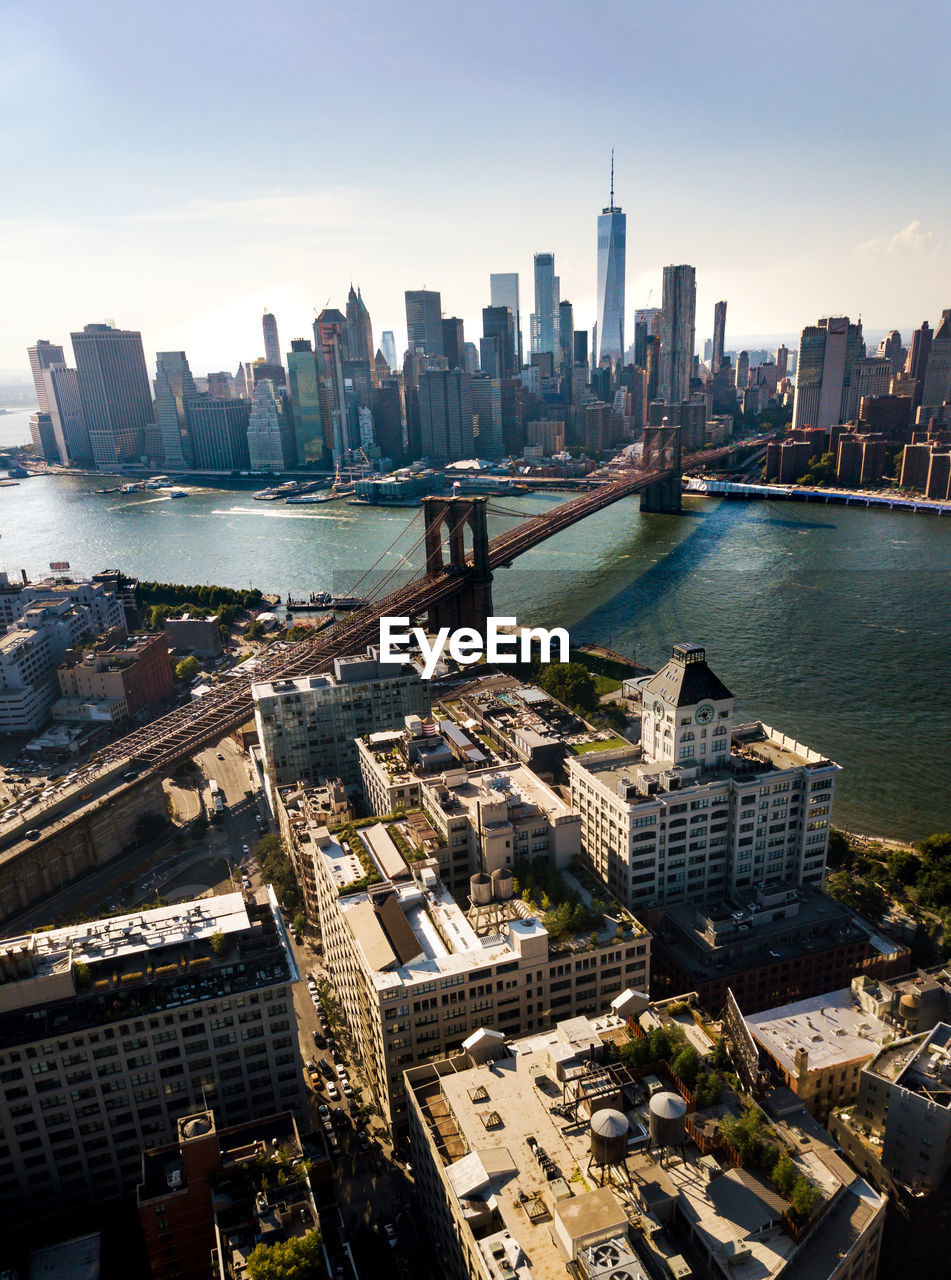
{"x": 921, "y": 1064}
{"x": 512, "y": 781}
{"x": 833, "y": 1028}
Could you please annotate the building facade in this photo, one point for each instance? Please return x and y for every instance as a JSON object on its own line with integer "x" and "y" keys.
{"x": 612, "y": 259}
{"x": 827, "y": 352}
{"x": 174, "y": 385}
{"x": 424, "y": 321}
{"x": 114, "y": 392}
{"x": 677, "y": 333}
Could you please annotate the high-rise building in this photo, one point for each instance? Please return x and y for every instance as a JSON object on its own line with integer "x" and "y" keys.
{"x": 61, "y": 389}
{"x": 388, "y": 347}
{"x": 742, "y": 370}
{"x": 827, "y": 352}
{"x": 270, "y": 430}
{"x": 871, "y": 376}
{"x": 936, "y": 389}
{"x": 891, "y": 349}
{"x": 486, "y": 396}
{"x": 272, "y": 344}
{"x": 677, "y": 333}
{"x": 359, "y": 335}
{"x": 916, "y": 362}
{"x": 470, "y": 358}
{"x": 303, "y": 383}
{"x": 200, "y": 1010}
{"x": 114, "y": 391}
{"x": 612, "y": 240}
{"x": 503, "y": 292}
{"x": 329, "y": 329}
{"x": 424, "y": 321}
{"x": 42, "y": 356}
{"x": 173, "y": 386}
{"x": 782, "y": 362}
{"x": 719, "y": 334}
{"x": 44, "y": 438}
{"x": 218, "y": 432}
{"x": 453, "y": 342}
{"x": 220, "y": 384}
{"x": 499, "y": 322}
{"x": 547, "y": 297}
{"x": 446, "y": 417}
{"x": 566, "y": 336}
{"x": 389, "y": 419}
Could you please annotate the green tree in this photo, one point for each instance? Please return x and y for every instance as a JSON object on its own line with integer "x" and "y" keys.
{"x": 187, "y": 669}
{"x": 255, "y": 630}
{"x": 839, "y": 849}
{"x": 805, "y": 1198}
{"x": 686, "y": 1065}
{"x": 785, "y": 1175}
{"x": 570, "y": 683}
{"x": 219, "y": 943}
{"x": 903, "y": 866}
{"x": 935, "y": 850}
{"x": 856, "y": 893}
{"x": 300, "y": 922}
{"x": 300, "y": 1258}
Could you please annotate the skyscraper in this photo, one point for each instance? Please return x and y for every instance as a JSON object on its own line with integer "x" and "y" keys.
{"x": 677, "y": 333}
{"x": 499, "y": 322}
{"x": 424, "y": 321}
{"x": 827, "y": 352}
{"x": 270, "y": 430}
{"x": 453, "y": 341}
{"x": 719, "y": 334}
{"x": 328, "y": 338}
{"x": 936, "y": 388}
{"x": 566, "y": 336}
{"x": 359, "y": 335}
{"x": 916, "y": 361}
{"x": 272, "y": 345}
{"x": 487, "y": 406}
{"x": 114, "y": 391}
{"x": 61, "y": 388}
{"x": 42, "y": 356}
{"x": 545, "y": 315}
{"x": 303, "y": 383}
{"x": 388, "y": 347}
{"x": 218, "y": 432}
{"x": 173, "y": 385}
{"x": 503, "y": 292}
{"x": 446, "y": 417}
{"x": 742, "y": 370}
{"x": 612, "y": 240}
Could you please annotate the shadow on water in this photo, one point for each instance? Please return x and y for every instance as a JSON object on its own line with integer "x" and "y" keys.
{"x": 792, "y": 524}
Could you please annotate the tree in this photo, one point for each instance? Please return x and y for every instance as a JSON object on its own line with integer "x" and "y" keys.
{"x": 300, "y": 922}
{"x": 935, "y": 849}
{"x": 187, "y": 669}
{"x": 903, "y": 866}
{"x": 805, "y": 1198}
{"x": 219, "y": 943}
{"x": 300, "y": 1258}
{"x": 570, "y": 683}
{"x": 839, "y": 849}
{"x": 686, "y": 1065}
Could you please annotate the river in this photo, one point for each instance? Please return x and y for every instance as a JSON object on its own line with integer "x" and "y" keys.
{"x": 830, "y": 623}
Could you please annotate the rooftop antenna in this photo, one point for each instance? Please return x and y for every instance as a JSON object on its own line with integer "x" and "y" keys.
{"x": 612, "y": 179}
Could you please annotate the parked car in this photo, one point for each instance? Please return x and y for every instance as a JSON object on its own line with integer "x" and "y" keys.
{"x": 332, "y": 1093}
{"x": 390, "y": 1232}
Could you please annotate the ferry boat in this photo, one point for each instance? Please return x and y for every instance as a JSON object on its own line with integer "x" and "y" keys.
{"x": 302, "y": 499}
{"x": 178, "y": 493}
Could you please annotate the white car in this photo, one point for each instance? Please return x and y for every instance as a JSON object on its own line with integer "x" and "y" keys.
{"x": 341, "y": 1072}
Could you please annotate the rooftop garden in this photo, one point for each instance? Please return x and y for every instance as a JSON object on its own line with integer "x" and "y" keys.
{"x": 751, "y": 1136}
{"x": 703, "y": 1077}
{"x": 562, "y": 909}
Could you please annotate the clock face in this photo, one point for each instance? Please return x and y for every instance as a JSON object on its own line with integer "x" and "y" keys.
{"x": 659, "y": 710}
{"x": 704, "y": 714}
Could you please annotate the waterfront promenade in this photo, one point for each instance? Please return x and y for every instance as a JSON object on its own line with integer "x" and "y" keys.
{"x": 802, "y": 493}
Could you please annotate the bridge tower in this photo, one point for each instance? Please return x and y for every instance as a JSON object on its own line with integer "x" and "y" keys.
{"x": 472, "y": 605}
{"x": 662, "y": 451}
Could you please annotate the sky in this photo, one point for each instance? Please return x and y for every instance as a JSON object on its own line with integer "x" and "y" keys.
{"x": 178, "y": 167}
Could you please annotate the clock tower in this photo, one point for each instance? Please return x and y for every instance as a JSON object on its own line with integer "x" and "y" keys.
{"x": 687, "y": 715}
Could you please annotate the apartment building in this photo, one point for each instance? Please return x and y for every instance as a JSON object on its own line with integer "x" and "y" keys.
{"x": 701, "y": 809}
{"x": 133, "y": 676}
{"x": 99, "y": 595}
{"x": 540, "y": 1157}
{"x": 416, "y": 975}
{"x": 111, "y": 1031}
{"x": 307, "y": 726}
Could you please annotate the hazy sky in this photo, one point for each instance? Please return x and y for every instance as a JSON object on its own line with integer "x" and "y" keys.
{"x": 176, "y": 167}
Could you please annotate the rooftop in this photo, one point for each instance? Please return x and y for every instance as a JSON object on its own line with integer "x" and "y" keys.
{"x": 834, "y": 1029}
{"x": 920, "y": 1064}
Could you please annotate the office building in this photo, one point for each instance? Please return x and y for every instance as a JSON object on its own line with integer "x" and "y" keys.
{"x": 503, "y": 292}
{"x": 916, "y": 362}
{"x": 218, "y": 433}
{"x": 547, "y": 435}
{"x": 388, "y": 347}
{"x": 447, "y": 420}
{"x": 827, "y": 352}
{"x": 936, "y": 389}
{"x": 114, "y": 392}
{"x": 43, "y": 355}
{"x": 388, "y": 403}
{"x": 547, "y": 296}
{"x": 742, "y": 377}
{"x": 486, "y": 395}
{"x": 768, "y": 945}
{"x": 303, "y": 383}
{"x": 677, "y": 333}
{"x": 871, "y": 376}
{"x": 61, "y": 394}
{"x": 174, "y": 385}
{"x": 424, "y": 321}
{"x": 199, "y": 1011}
{"x": 329, "y": 330}
{"x": 121, "y": 679}
{"x": 359, "y": 331}
{"x": 612, "y": 251}
{"x": 201, "y": 1214}
{"x": 271, "y": 445}
{"x": 453, "y": 342}
{"x": 701, "y": 809}
{"x": 545, "y": 1156}
{"x": 690, "y": 416}
{"x": 890, "y": 348}
{"x": 43, "y": 438}
{"x": 272, "y": 344}
{"x": 498, "y": 323}
{"x": 307, "y": 726}
{"x": 416, "y": 975}
{"x": 782, "y": 362}
{"x": 719, "y": 336}
{"x": 566, "y": 337}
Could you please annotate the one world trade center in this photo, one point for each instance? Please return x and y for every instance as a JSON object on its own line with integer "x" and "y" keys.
{"x": 612, "y": 237}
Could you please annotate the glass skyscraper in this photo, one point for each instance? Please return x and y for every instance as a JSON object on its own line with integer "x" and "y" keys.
{"x": 612, "y": 249}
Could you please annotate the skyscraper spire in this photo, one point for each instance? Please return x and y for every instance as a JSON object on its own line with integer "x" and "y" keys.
{"x": 612, "y": 179}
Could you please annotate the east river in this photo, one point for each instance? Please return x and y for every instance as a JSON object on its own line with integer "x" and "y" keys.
{"x": 832, "y": 624}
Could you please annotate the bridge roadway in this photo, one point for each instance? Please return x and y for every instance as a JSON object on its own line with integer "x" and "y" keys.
{"x": 181, "y": 733}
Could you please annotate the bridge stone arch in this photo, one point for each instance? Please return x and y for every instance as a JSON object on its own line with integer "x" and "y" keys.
{"x": 446, "y": 522}
{"x": 662, "y": 452}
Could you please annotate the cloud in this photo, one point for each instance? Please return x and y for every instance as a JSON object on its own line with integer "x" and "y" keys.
{"x": 911, "y": 239}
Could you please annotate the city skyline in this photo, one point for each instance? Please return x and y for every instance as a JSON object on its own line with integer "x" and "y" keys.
{"x": 126, "y": 219}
